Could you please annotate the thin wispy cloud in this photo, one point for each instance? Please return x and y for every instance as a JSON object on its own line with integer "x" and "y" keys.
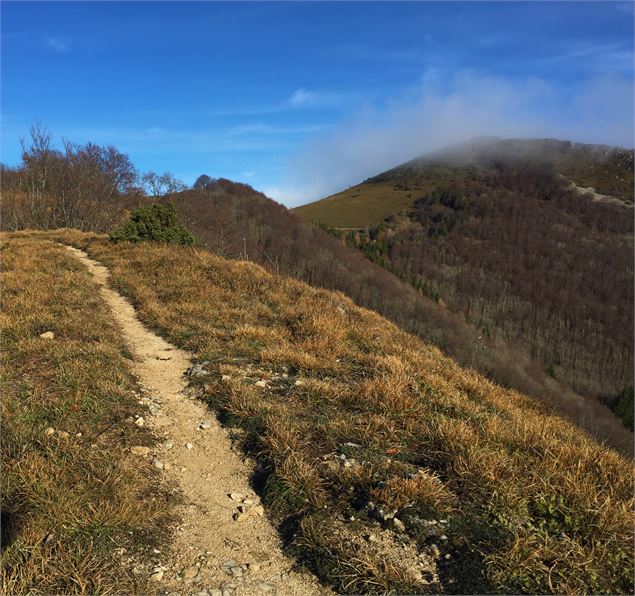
{"x": 601, "y": 57}
{"x": 261, "y": 128}
{"x": 58, "y": 44}
{"x": 445, "y": 112}
{"x": 305, "y": 98}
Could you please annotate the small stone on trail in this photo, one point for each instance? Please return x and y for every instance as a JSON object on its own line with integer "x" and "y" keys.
{"x": 260, "y": 383}
{"x": 139, "y": 450}
{"x": 265, "y": 587}
{"x": 47, "y": 335}
{"x": 78, "y": 435}
{"x": 238, "y": 497}
{"x": 49, "y": 431}
{"x": 204, "y": 425}
{"x": 188, "y": 445}
{"x": 140, "y": 421}
{"x": 157, "y": 464}
{"x": 248, "y": 501}
{"x": 157, "y": 576}
{"x": 225, "y": 378}
{"x": 242, "y": 517}
{"x": 259, "y": 510}
{"x": 397, "y": 524}
{"x": 189, "y": 573}
{"x": 253, "y": 567}
{"x": 169, "y": 445}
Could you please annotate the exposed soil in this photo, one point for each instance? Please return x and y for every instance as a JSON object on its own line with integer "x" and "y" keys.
{"x": 211, "y": 550}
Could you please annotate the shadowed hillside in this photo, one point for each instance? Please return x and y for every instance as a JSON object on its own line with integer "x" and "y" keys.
{"x": 235, "y": 221}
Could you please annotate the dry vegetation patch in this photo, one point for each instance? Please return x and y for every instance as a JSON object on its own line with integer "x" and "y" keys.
{"x": 75, "y": 505}
{"x": 360, "y": 428}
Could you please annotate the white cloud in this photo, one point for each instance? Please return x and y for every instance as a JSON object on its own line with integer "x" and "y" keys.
{"x": 268, "y": 129}
{"x": 304, "y": 98}
{"x": 58, "y": 44}
{"x": 444, "y": 114}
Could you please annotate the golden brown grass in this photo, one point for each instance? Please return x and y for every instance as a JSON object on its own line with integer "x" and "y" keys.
{"x": 533, "y": 504}
{"x": 360, "y": 206}
{"x": 69, "y": 502}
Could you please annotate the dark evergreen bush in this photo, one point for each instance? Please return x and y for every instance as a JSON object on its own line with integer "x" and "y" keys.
{"x": 153, "y": 223}
{"x": 622, "y": 405}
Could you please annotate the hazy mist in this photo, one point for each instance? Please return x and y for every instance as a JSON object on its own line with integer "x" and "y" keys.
{"x": 438, "y": 114}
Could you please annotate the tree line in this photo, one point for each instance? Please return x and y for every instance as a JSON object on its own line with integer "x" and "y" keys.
{"x": 78, "y": 186}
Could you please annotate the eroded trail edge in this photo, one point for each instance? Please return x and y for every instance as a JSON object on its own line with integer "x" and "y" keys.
{"x": 212, "y": 554}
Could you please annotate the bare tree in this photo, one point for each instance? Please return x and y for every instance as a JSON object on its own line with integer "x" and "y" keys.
{"x": 163, "y": 184}
{"x": 78, "y": 187}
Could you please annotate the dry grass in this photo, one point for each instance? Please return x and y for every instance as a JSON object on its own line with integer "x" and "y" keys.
{"x": 532, "y": 503}
{"x": 69, "y": 502}
{"x": 358, "y": 207}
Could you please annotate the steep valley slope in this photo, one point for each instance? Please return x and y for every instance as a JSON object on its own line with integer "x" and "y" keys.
{"x": 233, "y": 220}
{"x": 528, "y": 241}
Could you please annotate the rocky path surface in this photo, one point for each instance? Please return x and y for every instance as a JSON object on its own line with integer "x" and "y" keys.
{"x": 224, "y": 545}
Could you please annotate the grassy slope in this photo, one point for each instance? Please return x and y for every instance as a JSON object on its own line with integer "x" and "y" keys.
{"x": 68, "y": 502}
{"x": 532, "y": 503}
{"x": 234, "y": 218}
{"x": 357, "y": 207}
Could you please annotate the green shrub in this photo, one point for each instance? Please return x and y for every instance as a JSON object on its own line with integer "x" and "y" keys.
{"x": 622, "y": 405}
{"x": 153, "y": 223}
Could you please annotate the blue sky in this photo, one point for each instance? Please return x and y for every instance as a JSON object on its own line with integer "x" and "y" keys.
{"x": 302, "y": 99}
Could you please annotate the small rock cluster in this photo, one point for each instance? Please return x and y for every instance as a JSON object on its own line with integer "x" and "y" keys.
{"x": 198, "y": 371}
{"x": 152, "y": 402}
{"x": 385, "y": 545}
{"x": 247, "y": 508}
{"x": 263, "y": 379}
{"x": 62, "y": 434}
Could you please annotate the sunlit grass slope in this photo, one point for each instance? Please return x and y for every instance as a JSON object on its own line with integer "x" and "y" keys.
{"x": 357, "y": 207}
{"x": 369, "y": 203}
{"x": 72, "y": 497}
{"x": 531, "y": 503}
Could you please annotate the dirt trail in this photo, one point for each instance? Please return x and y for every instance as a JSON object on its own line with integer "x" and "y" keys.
{"x": 213, "y": 554}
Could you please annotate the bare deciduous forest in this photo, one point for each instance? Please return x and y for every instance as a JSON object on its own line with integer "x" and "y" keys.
{"x": 520, "y": 254}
